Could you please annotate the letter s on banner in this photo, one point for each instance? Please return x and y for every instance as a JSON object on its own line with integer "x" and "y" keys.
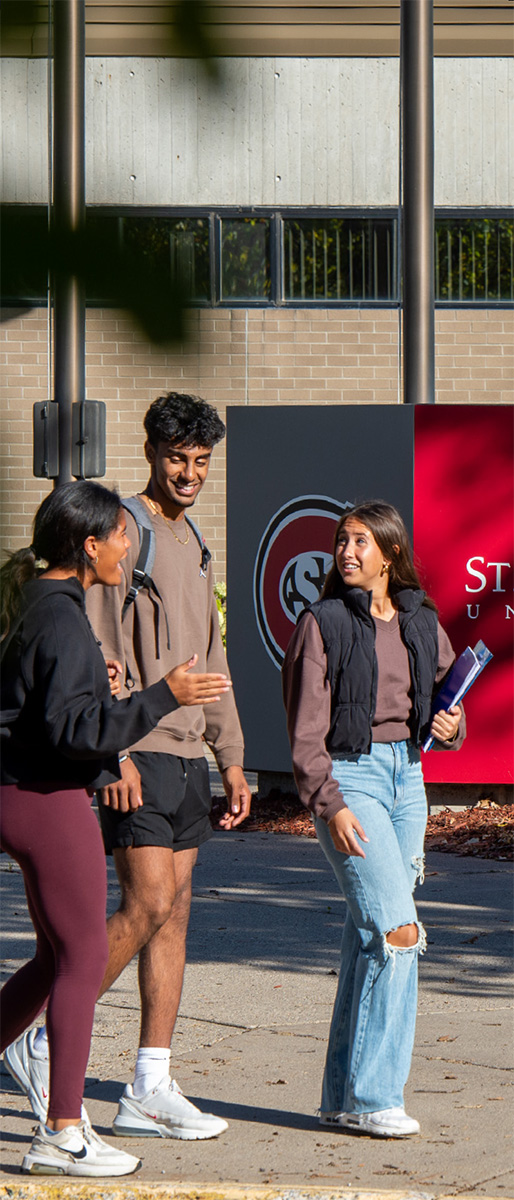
{"x": 477, "y": 574}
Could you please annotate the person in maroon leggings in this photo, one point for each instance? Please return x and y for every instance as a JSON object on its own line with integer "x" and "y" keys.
{"x": 61, "y": 730}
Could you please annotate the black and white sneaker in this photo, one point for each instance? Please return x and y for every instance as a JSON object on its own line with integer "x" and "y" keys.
{"x": 76, "y": 1150}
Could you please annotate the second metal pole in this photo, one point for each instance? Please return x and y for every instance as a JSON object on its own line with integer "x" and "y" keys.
{"x": 417, "y": 98}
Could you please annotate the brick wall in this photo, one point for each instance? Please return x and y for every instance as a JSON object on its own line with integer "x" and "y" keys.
{"x": 233, "y": 356}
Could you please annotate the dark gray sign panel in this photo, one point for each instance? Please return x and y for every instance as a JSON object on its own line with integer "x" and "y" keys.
{"x": 291, "y": 473}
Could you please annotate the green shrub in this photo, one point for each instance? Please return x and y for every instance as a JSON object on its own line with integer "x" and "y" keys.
{"x": 220, "y": 592}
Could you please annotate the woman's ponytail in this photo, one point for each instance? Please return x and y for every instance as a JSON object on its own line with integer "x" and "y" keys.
{"x": 18, "y": 570}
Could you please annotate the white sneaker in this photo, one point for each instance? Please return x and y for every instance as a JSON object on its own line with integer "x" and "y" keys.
{"x": 31, "y": 1072}
{"x": 388, "y": 1122}
{"x": 76, "y": 1150}
{"x": 164, "y": 1112}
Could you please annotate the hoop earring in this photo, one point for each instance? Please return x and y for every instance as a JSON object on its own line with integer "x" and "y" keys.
{"x": 94, "y": 561}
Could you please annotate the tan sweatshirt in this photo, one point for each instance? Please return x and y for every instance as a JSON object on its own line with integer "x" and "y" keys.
{"x": 186, "y": 616}
{"x": 308, "y": 704}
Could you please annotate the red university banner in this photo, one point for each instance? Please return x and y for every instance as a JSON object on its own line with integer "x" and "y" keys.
{"x": 463, "y": 542}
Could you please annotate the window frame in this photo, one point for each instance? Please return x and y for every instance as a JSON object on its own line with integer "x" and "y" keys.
{"x": 277, "y": 215}
{"x": 474, "y": 214}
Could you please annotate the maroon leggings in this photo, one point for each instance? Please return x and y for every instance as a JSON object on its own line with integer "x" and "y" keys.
{"x": 55, "y": 838}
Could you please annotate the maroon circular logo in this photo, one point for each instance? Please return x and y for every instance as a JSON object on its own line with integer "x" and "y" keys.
{"x": 294, "y": 556}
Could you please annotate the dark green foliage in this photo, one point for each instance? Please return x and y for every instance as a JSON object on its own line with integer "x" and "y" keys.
{"x": 179, "y": 246}
{"x": 474, "y": 259}
{"x": 245, "y": 258}
{"x": 336, "y": 258}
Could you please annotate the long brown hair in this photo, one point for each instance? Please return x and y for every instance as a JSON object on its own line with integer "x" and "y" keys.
{"x": 388, "y": 529}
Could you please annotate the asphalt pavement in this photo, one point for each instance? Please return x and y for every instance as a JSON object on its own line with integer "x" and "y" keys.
{"x": 251, "y": 1037}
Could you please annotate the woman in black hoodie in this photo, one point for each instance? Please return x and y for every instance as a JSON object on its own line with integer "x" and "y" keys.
{"x": 61, "y": 731}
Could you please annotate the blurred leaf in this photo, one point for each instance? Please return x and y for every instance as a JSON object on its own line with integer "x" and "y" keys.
{"x": 18, "y": 18}
{"x": 190, "y": 32}
{"x": 118, "y": 274}
{"x": 24, "y": 253}
{"x": 185, "y": 25}
{"x": 113, "y": 273}
{"x": 123, "y": 276}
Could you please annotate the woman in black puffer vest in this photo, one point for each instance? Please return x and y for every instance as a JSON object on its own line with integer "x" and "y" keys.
{"x": 359, "y": 677}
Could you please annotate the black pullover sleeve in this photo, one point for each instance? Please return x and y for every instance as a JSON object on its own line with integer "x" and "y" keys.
{"x": 64, "y": 670}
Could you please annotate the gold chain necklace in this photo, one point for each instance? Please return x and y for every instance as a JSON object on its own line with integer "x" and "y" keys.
{"x": 167, "y": 520}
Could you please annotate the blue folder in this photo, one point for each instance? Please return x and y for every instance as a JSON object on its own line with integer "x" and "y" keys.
{"x": 465, "y": 670}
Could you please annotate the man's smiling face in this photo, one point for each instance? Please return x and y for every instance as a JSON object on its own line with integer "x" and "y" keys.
{"x": 178, "y": 474}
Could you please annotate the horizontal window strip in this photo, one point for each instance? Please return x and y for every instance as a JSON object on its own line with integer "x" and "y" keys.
{"x": 287, "y": 258}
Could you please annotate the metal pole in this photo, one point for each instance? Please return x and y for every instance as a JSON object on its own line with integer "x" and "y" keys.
{"x": 417, "y": 67}
{"x": 68, "y": 215}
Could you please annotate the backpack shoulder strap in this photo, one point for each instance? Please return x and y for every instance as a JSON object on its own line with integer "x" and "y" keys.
{"x": 142, "y": 571}
{"x": 206, "y": 554}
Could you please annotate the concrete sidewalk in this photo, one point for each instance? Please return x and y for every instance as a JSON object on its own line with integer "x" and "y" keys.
{"x": 251, "y": 1037}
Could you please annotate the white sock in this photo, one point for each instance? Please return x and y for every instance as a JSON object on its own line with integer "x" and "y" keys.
{"x": 152, "y": 1065}
{"x": 40, "y": 1043}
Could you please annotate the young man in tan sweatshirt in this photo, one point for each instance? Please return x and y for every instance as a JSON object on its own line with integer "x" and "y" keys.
{"x": 156, "y": 817}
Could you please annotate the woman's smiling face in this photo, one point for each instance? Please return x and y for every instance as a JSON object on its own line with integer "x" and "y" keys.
{"x": 358, "y": 557}
{"x": 110, "y": 554}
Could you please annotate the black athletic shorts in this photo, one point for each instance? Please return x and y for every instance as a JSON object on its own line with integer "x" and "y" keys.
{"x": 176, "y": 805}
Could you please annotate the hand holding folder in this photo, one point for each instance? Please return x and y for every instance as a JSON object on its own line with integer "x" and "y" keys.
{"x": 465, "y": 670}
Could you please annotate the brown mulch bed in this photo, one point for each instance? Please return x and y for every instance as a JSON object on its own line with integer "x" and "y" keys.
{"x": 486, "y": 830}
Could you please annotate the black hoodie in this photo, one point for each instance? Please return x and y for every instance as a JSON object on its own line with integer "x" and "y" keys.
{"x": 60, "y": 726}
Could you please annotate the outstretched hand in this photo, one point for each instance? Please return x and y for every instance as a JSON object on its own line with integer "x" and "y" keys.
{"x": 343, "y": 828}
{"x": 196, "y": 689}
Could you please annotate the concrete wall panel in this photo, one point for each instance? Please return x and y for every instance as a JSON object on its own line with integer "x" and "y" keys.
{"x": 474, "y": 157}
{"x": 24, "y": 139}
{"x": 279, "y": 131}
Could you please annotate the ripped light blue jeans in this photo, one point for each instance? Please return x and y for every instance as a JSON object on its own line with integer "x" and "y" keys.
{"x": 372, "y": 1030}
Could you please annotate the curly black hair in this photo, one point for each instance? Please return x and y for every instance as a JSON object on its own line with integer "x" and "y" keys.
{"x": 183, "y": 421}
